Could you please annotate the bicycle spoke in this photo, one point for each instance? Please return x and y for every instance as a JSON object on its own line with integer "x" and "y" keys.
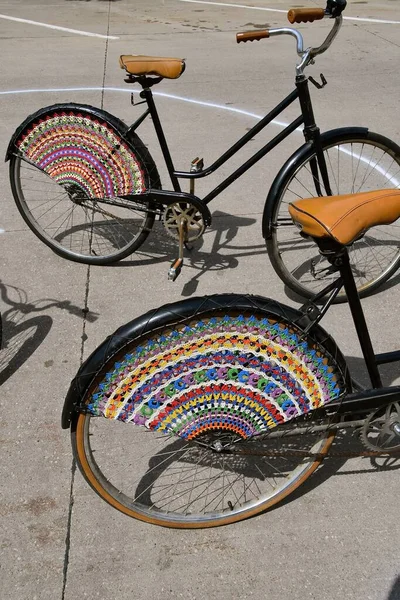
{"x": 48, "y": 196}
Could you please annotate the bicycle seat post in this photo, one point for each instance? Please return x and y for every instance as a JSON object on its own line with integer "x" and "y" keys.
{"x": 147, "y": 95}
{"x": 338, "y": 256}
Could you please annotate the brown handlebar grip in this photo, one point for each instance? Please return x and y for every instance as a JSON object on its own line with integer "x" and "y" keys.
{"x": 305, "y": 15}
{"x": 250, "y": 36}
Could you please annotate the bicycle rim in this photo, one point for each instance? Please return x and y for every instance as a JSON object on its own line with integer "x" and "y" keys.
{"x": 170, "y": 482}
{"x": 74, "y": 225}
{"x": 353, "y": 166}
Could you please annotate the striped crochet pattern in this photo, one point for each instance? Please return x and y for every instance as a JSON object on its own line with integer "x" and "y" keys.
{"x": 241, "y": 374}
{"x": 78, "y": 149}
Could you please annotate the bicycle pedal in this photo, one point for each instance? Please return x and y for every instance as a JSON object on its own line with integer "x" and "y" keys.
{"x": 175, "y": 269}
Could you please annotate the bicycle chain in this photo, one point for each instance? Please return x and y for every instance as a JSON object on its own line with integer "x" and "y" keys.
{"x": 316, "y": 455}
{"x": 95, "y": 206}
{"x": 236, "y": 449}
{"x": 320, "y": 455}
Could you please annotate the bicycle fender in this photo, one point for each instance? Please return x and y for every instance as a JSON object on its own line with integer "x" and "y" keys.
{"x": 23, "y": 129}
{"x": 291, "y": 165}
{"x": 173, "y": 314}
{"x": 153, "y": 319}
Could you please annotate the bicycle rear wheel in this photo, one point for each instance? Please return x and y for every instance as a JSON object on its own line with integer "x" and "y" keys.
{"x": 356, "y": 162}
{"x": 201, "y": 399}
{"x": 69, "y": 167}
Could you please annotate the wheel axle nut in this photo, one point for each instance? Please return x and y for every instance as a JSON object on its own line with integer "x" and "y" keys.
{"x": 218, "y": 447}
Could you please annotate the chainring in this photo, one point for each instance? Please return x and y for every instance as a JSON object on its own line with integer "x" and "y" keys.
{"x": 381, "y": 430}
{"x": 195, "y": 222}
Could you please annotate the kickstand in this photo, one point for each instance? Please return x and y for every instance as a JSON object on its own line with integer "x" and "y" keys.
{"x": 176, "y": 267}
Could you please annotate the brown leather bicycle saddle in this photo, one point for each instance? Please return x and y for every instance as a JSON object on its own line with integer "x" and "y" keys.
{"x": 170, "y": 68}
{"x": 346, "y": 217}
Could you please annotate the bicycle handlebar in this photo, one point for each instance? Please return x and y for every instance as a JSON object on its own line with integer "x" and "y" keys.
{"x": 334, "y": 9}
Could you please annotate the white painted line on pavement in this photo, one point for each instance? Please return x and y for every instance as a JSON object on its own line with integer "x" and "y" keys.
{"x": 77, "y": 31}
{"x": 240, "y": 111}
{"x": 162, "y": 94}
{"x": 366, "y": 20}
{"x": 278, "y": 10}
{"x": 235, "y": 5}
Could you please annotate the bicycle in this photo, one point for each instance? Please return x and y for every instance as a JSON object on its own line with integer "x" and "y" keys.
{"x": 88, "y": 187}
{"x": 217, "y": 408}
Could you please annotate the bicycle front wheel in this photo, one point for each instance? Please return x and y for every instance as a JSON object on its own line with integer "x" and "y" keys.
{"x": 209, "y": 406}
{"x": 69, "y": 167}
{"x": 356, "y": 162}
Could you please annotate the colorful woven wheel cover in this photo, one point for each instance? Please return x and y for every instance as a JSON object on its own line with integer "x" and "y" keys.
{"x": 241, "y": 374}
{"x": 82, "y": 150}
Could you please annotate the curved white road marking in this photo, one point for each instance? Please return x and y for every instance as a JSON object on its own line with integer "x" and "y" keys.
{"x": 77, "y": 31}
{"x": 278, "y": 10}
{"x": 235, "y": 5}
{"x": 395, "y": 182}
{"x": 162, "y": 94}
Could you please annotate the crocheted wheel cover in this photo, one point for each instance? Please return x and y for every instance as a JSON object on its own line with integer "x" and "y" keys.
{"x": 242, "y": 374}
{"x": 80, "y": 149}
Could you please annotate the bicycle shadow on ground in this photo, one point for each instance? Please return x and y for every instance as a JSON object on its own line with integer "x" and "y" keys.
{"x": 23, "y": 333}
{"x": 350, "y": 441}
{"x": 394, "y": 593}
{"x": 235, "y": 470}
{"x": 161, "y": 247}
{"x": 390, "y": 373}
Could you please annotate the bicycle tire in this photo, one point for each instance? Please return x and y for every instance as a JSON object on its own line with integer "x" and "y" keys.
{"x": 184, "y": 481}
{"x": 65, "y": 156}
{"x": 357, "y": 160}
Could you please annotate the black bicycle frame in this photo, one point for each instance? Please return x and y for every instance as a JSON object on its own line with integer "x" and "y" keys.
{"x": 362, "y": 401}
{"x": 377, "y": 396}
{"x": 311, "y": 133}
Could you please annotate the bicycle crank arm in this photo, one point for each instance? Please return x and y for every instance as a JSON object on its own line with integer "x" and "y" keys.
{"x": 176, "y": 267}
